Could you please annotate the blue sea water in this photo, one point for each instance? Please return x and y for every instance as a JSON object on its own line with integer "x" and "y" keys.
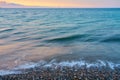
{"x": 31, "y": 37}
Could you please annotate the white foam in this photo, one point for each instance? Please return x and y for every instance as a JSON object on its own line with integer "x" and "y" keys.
{"x": 27, "y": 66}
{"x": 5, "y": 72}
{"x": 72, "y": 63}
{"x": 80, "y": 63}
{"x": 102, "y": 63}
{"x": 54, "y": 63}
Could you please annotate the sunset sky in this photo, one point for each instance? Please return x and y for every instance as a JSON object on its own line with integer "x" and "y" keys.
{"x": 68, "y": 3}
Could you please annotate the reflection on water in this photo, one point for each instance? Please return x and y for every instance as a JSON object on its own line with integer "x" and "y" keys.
{"x": 13, "y": 55}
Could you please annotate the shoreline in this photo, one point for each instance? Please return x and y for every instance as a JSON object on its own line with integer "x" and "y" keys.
{"x": 66, "y": 73}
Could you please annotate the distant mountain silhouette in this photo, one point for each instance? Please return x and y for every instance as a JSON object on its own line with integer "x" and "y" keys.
{"x": 4, "y": 4}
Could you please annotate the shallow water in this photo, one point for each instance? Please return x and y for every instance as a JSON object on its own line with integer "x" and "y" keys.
{"x": 64, "y": 35}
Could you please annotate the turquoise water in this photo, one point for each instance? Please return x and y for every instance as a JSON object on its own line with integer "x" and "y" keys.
{"x": 60, "y": 36}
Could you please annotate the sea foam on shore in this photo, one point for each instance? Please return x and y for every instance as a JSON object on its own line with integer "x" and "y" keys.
{"x": 55, "y": 64}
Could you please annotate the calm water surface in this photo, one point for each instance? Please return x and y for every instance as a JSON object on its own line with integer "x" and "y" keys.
{"x": 30, "y": 37}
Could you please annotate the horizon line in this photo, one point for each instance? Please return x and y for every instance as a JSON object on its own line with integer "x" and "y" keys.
{"x": 62, "y": 7}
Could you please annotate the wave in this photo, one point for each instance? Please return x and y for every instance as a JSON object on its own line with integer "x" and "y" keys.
{"x": 84, "y": 38}
{"x": 67, "y": 38}
{"x": 6, "y": 30}
{"x": 22, "y": 39}
{"x": 113, "y": 39}
{"x": 80, "y": 63}
{"x": 18, "y": 33}
{"x": 95, "y": 21}
{"x": 53, "y": 63}
{"x": 5, "y": 36}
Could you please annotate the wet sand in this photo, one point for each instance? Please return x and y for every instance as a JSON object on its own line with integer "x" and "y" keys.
{"x": 66, "y": 73}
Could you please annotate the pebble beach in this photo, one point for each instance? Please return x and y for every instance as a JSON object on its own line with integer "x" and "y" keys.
{"x": 66, "y": 73}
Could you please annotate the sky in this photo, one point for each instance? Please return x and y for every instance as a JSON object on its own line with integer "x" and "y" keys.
{"x": 68, "y": 3}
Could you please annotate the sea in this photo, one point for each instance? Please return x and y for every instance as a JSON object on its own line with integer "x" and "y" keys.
{"x": 59, "y": 36}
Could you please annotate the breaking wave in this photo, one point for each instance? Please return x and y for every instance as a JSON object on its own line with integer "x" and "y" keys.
{"x": 54, "y": 64}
